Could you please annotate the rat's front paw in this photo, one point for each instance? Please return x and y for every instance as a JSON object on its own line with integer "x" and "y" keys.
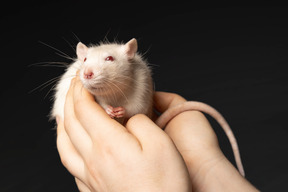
{"x": 116, "y": 112}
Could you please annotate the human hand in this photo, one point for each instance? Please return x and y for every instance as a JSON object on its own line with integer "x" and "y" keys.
{"x": 197, "y": 142}
{"x": 191, "y": 133}
{"x": 103, "y": 155}
{"x": 190, "y": 130}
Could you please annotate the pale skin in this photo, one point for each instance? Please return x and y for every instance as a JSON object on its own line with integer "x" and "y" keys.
{"x": 103, "y": 155}
{"x": 195, "y": 139}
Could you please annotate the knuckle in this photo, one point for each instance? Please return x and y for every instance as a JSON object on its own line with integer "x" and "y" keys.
{"x": 177, "y": 97}
{"x": 139, "y": 117}
{"x": 64, "y": 161}
{"x": 135, "y": 119}
{"x": 174, "y": 95}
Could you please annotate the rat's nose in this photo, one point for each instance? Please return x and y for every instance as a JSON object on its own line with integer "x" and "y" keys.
{"x": 88, "y": 74}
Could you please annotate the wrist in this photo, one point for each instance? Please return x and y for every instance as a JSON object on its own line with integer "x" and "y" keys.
{"x": 209, "y": 169}
{"x": 218, "y": 174}
{"x": 202, "y": 166}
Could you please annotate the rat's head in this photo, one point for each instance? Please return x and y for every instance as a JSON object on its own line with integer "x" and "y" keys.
{"x": 106, "y": 69}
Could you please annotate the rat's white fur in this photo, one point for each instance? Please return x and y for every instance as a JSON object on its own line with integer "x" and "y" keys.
{"x": 125, "y": 82}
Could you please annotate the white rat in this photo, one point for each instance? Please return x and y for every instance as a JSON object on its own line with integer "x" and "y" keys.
{"x": 118, "y": 77}
{"x": 121, "y": 82}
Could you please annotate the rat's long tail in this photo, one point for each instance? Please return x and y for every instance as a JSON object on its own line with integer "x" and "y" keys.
{"x": 163, "y": 120}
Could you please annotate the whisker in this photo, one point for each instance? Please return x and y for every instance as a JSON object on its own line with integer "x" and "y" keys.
{"x": 116, "y": 86}
{"x": 66, "y": 56}
{"x": 76, "y": 67}
{"x": 71, "y": 76}
{"x": 49, "y": 64}
{"x": 113, "y": 97}
{"x": 76, "y": 37}
{"x": 53, "y": 87}
{"x": 73, "y": 47}
{"x": 116, "y": 36}
{"x": 143, "y": 54}
{"x": 54, "y": 48}
{"x": 47, "y": 83}
{"x": 125, "y": 84}
{"x": 153, "y": 65}
{"x": 105, "y": 39}
{"x": 148, "y": 64}
{"x": 55, "y": 64}
{"x": 121, "y": 76}
{"x": 125, "y": 77}
{"x": 113, "y": 91}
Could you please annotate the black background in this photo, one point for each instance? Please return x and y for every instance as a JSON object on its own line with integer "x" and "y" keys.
{"x": 233, "y": 58}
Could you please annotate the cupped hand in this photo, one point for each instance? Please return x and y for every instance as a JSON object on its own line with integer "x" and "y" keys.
{"x": 104, "y": 156}
{"x": 190, "y": 131}
{"x": 195, "y": 139}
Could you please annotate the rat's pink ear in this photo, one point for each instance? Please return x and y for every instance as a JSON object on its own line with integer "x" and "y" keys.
{"x": 130, "y": 48}
{"x": 81, "y": 51}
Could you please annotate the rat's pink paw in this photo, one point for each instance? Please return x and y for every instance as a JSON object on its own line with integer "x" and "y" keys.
{"x": 110, "y": 112}
{"x": 116, "y": 112}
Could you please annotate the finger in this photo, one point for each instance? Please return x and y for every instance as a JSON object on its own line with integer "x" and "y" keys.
{"x": 68, "y": 155}
{"x": 77, "y": 134}
{"x": 164, "y": 100}
{"x": 92, "y": 116}
{"x": 146, "y": 131}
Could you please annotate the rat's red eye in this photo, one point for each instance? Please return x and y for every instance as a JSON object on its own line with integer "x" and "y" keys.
{"x": 85, "y": 59}
{"x": 109, "y": 58}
